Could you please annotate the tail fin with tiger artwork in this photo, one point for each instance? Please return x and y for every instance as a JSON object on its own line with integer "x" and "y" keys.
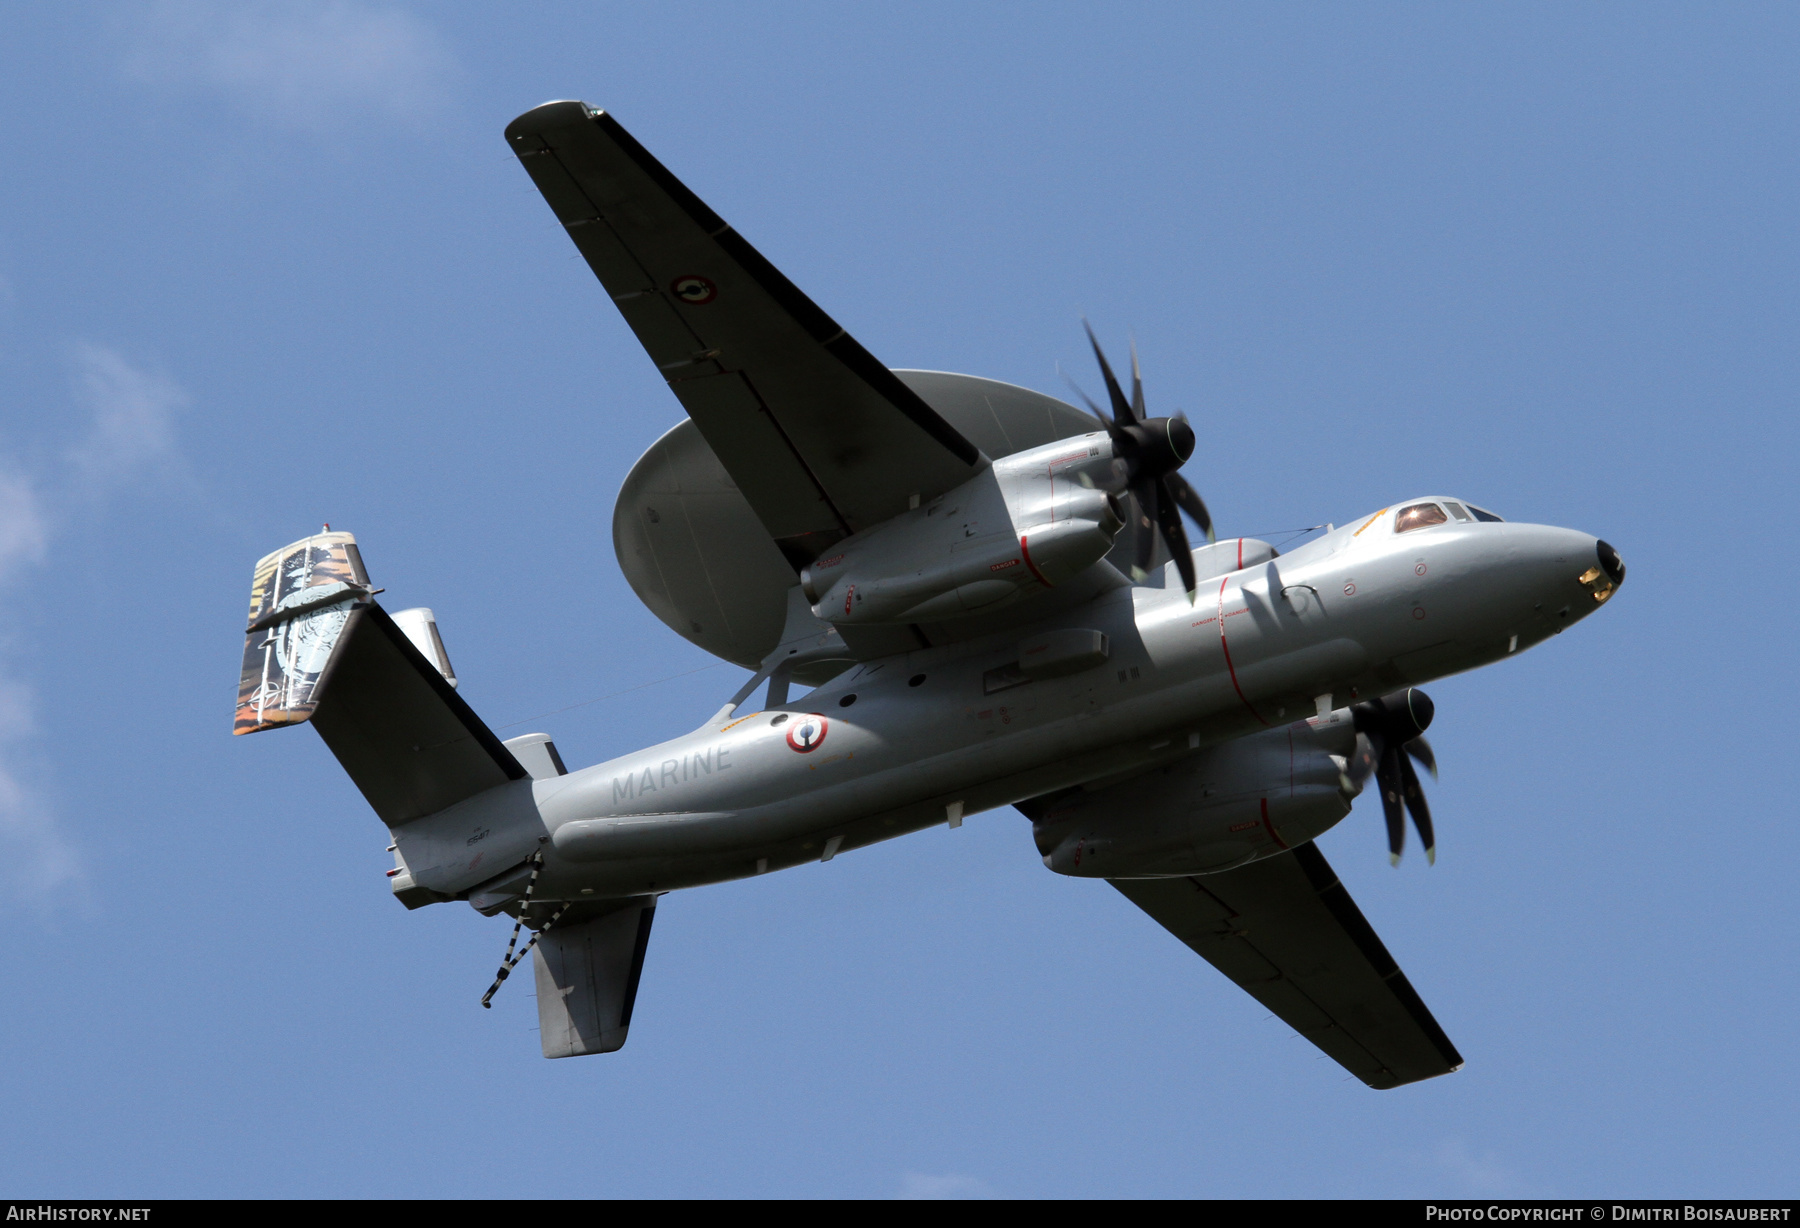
{"x": 319, "y": 649}
{"x": 304, "y": 598}
{"x": 458, "y": 801}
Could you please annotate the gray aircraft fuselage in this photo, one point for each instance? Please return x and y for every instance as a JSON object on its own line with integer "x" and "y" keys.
{"x": 915, "y": 740}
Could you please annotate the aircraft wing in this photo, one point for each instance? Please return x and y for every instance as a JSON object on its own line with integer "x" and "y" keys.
{"x": 1286, "y": 931}
{"x": 820, "y": 437}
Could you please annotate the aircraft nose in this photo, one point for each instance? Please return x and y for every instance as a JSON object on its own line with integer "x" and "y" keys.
{"x": 1610, "y": 562}
{"x": 1602, "y": 576}
{"x": 1570, "y": 574}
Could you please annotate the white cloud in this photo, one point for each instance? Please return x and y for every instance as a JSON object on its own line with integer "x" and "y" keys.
{"x": 933, "y": 1186}
{"x": 129, "y": 434}
{"x": 36, "y": 860}
{"x": 40, "y": 862}
{"x": 312, "y": 67}
{"x": 22, "y": 529}
{"x": 132, "y": 430}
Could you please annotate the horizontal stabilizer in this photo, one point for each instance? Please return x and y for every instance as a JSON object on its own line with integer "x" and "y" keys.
{"x": 587, "y": 979}
{"x": 410, "y": 742}
{"x": 321, "y": 649}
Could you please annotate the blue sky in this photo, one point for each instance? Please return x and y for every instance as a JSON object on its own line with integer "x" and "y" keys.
{"x": 267, "y": 265}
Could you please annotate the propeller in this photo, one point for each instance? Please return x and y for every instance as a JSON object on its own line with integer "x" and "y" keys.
{"x": 1390, "y": 733}
{"x": 1150, "y": 451}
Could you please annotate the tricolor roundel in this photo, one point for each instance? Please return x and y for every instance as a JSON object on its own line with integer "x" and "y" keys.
{"x": 807, "y": 733}
{"x": 694, "y": 289}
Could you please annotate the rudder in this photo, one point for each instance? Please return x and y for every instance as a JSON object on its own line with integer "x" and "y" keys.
{"x": 318, "y": 648}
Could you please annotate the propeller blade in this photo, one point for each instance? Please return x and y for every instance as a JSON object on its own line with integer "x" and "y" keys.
{"x": 1168, "y": 517}
{"x": 1415, "y": 805}
{"x": 1142, "y": 527}
{"x": 1190, "y": 502}
{"x": 1112, "y": 428}
{"x": 1121, "y": 408}
{"x": 1389, "y": 735}
{"x": 1137, "y": 385}
{"x": 1387, "y": 776}
{"x": 1420, "y": 749}
{"x": 1364, "y": 758}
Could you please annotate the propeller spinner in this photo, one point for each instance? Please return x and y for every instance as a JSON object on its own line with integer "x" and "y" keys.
{"x": 1390, "y": 732}
{"x": 1152, "y": 449}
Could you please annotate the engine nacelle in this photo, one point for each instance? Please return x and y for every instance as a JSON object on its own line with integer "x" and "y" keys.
{"x": 1030, "y": 521}
{"x": 1214, "y": 810}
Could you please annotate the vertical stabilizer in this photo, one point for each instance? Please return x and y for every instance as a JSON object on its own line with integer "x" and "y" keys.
{"x": 303, "y": 599}
{"x": 319, "y": 649}
{"x": 587, "y": 979}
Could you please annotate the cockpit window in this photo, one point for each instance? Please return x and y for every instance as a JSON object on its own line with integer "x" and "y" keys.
{"x": 1418, "y": 516}
{"x": 1456, "y": 509}
{"x": 1487, "y": 516}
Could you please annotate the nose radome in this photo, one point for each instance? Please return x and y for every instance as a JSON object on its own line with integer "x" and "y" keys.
{"x": 1610, "y": 561}
{"x": 1601, "y": 573}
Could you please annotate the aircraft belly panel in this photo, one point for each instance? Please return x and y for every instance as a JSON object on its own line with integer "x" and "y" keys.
{"x": 743, "y": 786}
{"x": 735, "y": 788}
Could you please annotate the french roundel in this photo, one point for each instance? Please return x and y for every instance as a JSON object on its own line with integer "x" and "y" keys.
{"x": 808, "y": 733}
{"x": 692, "y": 288}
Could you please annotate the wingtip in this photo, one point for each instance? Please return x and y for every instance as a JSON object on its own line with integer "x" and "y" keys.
{"x": 1394, "y": 859}
{"x": 546, "y": 114}
{"x": 1431, "y": 856}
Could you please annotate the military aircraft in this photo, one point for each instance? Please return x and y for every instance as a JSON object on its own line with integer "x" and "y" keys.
{"x": 993, "y": 600}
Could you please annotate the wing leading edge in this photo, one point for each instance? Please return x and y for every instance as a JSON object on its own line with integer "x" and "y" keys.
{"x": 1286, "y": 931}
{"x": 820, "y": 437}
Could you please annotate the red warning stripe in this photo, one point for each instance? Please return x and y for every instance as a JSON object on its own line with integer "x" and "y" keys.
{"x": 1025, "y": 554}
{"x": 1226, "y": 648}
